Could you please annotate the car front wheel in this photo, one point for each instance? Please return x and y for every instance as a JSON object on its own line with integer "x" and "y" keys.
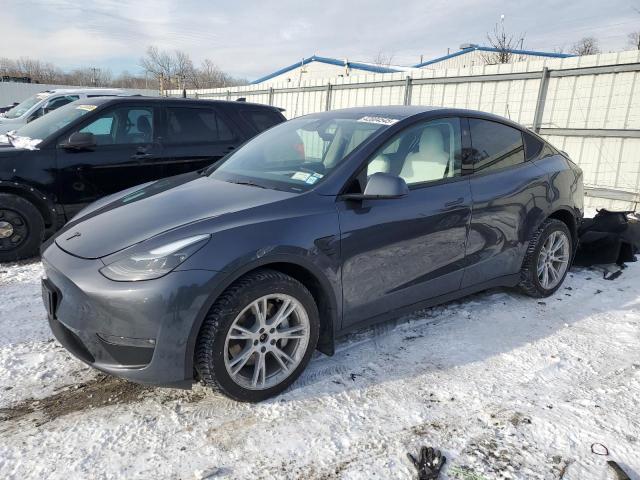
{"x": 258, "y": 336}
{"x": 21, "y": 228}
{"x": 547, "y": 260}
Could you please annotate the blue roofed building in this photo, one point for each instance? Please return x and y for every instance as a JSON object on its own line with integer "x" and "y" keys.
{"x": 471, "y": 55}
{"x": 322, "y": 68}
{"x": 316, "y": 67}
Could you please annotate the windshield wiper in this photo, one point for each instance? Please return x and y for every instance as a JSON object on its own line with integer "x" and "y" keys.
{"x": 242, "y": 182}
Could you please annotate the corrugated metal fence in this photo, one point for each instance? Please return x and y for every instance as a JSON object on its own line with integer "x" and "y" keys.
{"x": 587, "y": 106}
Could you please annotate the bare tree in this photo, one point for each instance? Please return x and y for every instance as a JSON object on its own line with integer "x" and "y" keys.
{"x": 95, "y": 77}
{"x": 160, "y": 64}
{"x": 585, "y": 46}
{"x": 504, "y": 43}
{"x": 184, "y": 69}
{"x": 383, "y": 59}
{"x": 208, "y": 75}
{"x": 169, "y": 69}
{"x": 8, "y": 67}
{"x": 127, "y": 80}
{"x": 633, "y": 40}
{"x": 37, "y": 71}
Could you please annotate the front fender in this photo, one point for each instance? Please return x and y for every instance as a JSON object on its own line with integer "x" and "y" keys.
{"x": 252, "y": 261}
{"x": 303, "y": 238}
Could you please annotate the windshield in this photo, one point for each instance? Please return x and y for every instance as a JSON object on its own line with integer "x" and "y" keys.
{"x": 44, "y": 126}
{"x": 298, "y": 154}
{"x": 23, "y": 107}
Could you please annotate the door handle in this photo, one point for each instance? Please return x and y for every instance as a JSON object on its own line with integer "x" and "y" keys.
{"x": 141, "y": 156}
{"x": 455, "y": 202}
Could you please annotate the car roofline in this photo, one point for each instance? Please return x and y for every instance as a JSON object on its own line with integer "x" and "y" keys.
{"x": 178, "y": 101}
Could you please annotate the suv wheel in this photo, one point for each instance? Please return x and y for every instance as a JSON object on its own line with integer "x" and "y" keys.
{"x": 548, "y": 258}
{"x": 21, "y": 228}
{"x": 258, "y": 336}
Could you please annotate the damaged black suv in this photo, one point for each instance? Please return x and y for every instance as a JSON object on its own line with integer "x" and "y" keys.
{"x": 56, "y": 165}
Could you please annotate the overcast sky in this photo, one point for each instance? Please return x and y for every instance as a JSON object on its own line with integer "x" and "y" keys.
{"x": 250, "y": 38}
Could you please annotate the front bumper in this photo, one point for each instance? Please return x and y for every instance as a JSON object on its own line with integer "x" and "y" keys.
{"x": 141, "y": 331}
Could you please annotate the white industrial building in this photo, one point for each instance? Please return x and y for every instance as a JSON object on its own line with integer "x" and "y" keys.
{"x": 471, "y": 55}
{"x": 316, "y": 67}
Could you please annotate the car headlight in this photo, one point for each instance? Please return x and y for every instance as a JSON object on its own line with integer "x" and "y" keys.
{"x": 154, "y": 263}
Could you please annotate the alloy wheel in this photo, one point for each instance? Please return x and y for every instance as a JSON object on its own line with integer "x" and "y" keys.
{"x": 553, "y": 260}
{"x": 266, "y": 341}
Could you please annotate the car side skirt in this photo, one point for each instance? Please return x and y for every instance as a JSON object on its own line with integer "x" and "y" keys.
{"x": 504, "y": 281}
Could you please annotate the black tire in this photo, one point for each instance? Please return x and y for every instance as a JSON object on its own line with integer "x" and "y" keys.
{"x": 27, "y": 225}
{"x": 210, "y": 346}
{"x": 529, "y": 282}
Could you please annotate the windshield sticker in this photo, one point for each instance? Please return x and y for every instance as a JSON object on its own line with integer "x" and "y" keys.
{"x": 378, "y": 120}
{"x": 303, "y": 176}
{"x": 87, "y": 108}
{"x": 312, "y": 179}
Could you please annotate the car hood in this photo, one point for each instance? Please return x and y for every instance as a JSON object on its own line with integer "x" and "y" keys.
{"x": 8, "y": 124}
{"x": 7, "y": 150}
{"x": 139, "y": 214}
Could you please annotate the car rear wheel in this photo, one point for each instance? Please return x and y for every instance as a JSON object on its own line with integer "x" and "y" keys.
{"x": 21, "y": 228}
{"x": 258, "y": 336}
{"x": 547, "y": 260}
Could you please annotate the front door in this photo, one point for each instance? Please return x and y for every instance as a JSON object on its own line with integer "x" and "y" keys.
{"x": 399, "y": 252}
{"x": 195, "y": 137}
{"x": 126, "y": 155}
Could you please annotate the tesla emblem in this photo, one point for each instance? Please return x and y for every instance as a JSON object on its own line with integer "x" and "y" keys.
{"x": 75, "y": 235}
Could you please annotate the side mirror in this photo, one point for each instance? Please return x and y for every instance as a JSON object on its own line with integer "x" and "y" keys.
{"x": 381, "y": 186}
{"x": 80, "y": 141}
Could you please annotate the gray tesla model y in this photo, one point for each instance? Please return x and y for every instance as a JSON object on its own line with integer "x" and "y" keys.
{"x": 234, "y": 275}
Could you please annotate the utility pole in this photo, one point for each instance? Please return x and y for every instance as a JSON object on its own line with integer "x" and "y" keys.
{"x": 94, "y": 76}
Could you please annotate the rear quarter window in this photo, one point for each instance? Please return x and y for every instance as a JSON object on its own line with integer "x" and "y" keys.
{"x": 532, "y": 146}
{"x": 261, "y": 120}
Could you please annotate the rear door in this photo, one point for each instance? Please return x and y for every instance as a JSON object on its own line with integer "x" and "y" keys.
{"x": 195, "y": 136}
{"x": 506, "y": 189}
{"x": 125, "y": 155}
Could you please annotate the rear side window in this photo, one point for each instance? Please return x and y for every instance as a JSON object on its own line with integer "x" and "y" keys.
{"x": 60, "y": 101}
{"x": 261, "y": 120}
{"x": 196, "y": 125}
{"x": 494, "y": 145}
{"x": 532, "y": 146}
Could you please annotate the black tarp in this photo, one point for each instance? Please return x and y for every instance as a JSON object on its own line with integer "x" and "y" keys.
{"x": 609, "y": 237}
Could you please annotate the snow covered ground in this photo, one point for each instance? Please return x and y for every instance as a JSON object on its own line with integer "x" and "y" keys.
{"x": 507, "y": 386}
